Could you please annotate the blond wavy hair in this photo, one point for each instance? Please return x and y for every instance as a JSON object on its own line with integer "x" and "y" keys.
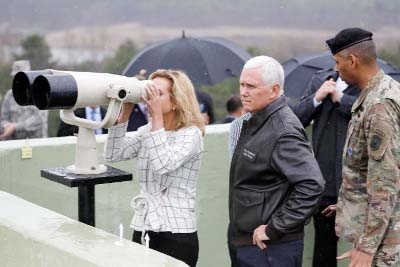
{"x": 184, "y": 96}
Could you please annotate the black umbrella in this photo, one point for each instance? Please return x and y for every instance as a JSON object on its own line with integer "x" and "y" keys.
{"x": 299, "y": 70}
{"x": 206, "y": 61}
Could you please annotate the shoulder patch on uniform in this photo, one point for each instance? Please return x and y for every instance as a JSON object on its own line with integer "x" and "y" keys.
{"x": 377, "y": 136}
{"x": 376, "y": 141}
{"x": 379, "y": 141}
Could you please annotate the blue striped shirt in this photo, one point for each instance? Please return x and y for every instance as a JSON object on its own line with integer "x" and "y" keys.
{"x": 234, "y": 131}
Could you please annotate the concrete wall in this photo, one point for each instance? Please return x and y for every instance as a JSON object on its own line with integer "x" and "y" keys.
{"x": 22, "y": 178}
{"x": 31, "y": 235}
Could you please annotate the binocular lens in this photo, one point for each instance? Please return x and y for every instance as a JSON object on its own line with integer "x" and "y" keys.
{"x": 57, "y": 91}
{"x": 21, "y": 86}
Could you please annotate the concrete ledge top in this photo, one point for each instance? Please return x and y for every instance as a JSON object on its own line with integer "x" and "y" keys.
{"x": 56, "y": 141}
{"x": 78, "y": 239}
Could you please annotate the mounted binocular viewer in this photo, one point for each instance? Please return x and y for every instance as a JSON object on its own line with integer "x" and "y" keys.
{"x": 68, "y": 90}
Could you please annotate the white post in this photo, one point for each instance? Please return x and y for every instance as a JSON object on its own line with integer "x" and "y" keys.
{"x": 86, "y": 154}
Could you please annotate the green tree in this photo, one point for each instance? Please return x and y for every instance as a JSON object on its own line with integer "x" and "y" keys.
{"x": 220, "y": 93}
{"x": 254, "y": 51}
{"x": 36, "y": 50}
{"x": 123, "y": 56}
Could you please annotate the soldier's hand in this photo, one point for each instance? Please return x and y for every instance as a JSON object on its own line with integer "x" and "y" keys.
{"x": 329, "y": 211}
{"x": 9, "y": 129}
{"x": 328, "y": 87}
{"x": 357, "y": 258}
{"x": 259, "y": 236}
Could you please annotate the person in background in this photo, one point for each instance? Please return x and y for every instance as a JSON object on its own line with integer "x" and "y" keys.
{"x": 139, "y": 115}
{"x": 275, "y": 182}
{"x": 235, "y": 109}
{"x": 168, "y": 150}
{"x": 206, "y": 106}
{"x": 95, "y": 113}
{"x": 21, "y": 122}
{"x": 368, "y": 207}
{"x": 327, "y": 103}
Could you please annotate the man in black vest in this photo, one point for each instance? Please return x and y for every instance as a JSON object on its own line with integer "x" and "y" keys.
{"x": 275, "y": 182}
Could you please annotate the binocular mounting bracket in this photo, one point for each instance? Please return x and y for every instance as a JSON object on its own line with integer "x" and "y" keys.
{"x": 86, "y": 161}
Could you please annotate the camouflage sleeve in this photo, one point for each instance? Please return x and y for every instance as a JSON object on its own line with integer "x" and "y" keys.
{"x": 382, "y": 133}
{"x": 5, "y": 108}
{"x": 30, "y": 121}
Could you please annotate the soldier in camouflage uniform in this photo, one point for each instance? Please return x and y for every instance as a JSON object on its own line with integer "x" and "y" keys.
{"x": 21, "y": 122}
{"x": 368, "y": 208}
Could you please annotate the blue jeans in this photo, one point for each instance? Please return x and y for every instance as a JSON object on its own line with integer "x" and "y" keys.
{"x": 288, "y": 254}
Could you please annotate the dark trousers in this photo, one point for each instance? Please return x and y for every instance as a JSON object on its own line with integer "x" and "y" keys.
{"x": 288, "y": 254}
{"x": 184, "y": 247}
{"x": 325, "y": 241}
{"x": 232, "y": 248}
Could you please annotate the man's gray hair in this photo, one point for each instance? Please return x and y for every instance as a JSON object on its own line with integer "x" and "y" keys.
{"x": 270, "y": 69}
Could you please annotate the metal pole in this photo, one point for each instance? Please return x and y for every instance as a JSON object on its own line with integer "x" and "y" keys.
{"x": 86, "y": 207}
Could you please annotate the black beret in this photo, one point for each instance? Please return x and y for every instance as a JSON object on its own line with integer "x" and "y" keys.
{"x": 346, "y": 38}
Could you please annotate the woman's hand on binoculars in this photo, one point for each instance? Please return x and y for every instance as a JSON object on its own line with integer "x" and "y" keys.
{"x": 154, "y": 106}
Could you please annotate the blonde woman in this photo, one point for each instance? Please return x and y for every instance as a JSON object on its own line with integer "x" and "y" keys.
{"x": 168, "y": 151}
